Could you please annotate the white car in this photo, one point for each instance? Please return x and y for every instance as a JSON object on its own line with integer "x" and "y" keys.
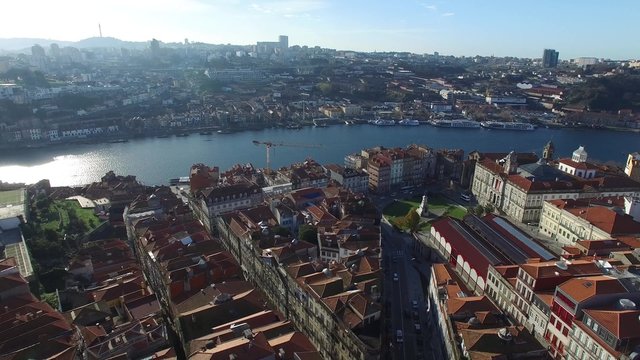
{"x": 395, "y": 276}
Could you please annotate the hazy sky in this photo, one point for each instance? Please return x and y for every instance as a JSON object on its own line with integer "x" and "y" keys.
{"x": 458, "y": 27}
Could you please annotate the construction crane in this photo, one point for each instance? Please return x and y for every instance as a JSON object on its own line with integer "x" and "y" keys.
{"x": 269, "y": 144}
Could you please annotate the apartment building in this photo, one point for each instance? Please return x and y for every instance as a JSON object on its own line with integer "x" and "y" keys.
{"x": 607, "y": 333}
{"x": 472, "y": 326}
{"x": 334, "y": 302}
{"x": 574, "y": 296}
{"x": 202, "y": 288}
{"x": 396, "y": 167}
{"x": 520, "y": 190}
{"x": 212, "y": 201}
{"x": 568, "y": 221}
{"x": 352, "y": 179}
{"x": 303, "y": 175}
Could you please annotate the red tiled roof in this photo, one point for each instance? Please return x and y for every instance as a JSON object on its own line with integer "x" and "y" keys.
{"x": 599, "y": 245}
{"x": 92, "y": 333}
{"x": 143, "y": 306}
{"x": 549, "y": 269}
{"x": 508, "y": 271}
{"x": 607, "y": 220}
{"x": 581, "y": 289}
{"x": 291, "y": 343}
{"x": 11, "y": 281}
{"x": 469, "y": 305}
{"x": 492, "y": 166}
{"x": 529, "y": 185}
{"x": 8, "y": 263}
{"x": 545, "y": 296}
{"x": 623, "y": 324}
{"x": 441, "y": 273}
{"x": 477, "y": 254}
{"x": 112, "y": 292}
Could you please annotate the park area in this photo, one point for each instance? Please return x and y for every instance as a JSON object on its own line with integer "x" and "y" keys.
{"x": 11, "y": 197}
{"x": 61, "y": 215}
{"x": 56, "y": 229}
{"x": 438, "y": 206}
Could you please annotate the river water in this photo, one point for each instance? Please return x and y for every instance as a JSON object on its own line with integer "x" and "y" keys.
{"x": 156, "y": 160}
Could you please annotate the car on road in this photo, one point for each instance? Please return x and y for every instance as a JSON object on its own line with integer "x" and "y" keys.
{"x": 395, "y": 276}
{"x": 399, "y": 336}
{"x": 465, "y": 197}
{"x": 414, "y": 304}
{"x": 417, "y": 327}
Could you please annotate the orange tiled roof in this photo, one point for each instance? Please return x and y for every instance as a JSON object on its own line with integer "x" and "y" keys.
{"x": 623, "y": 324}
{"x": 581, "y": 289}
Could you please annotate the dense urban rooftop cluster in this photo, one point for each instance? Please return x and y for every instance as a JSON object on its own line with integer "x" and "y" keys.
{"x": 289, "y": 263}
{"x": 109, "y": 92}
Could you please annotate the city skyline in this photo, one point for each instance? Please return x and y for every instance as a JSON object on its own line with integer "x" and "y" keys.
{"x": 467, "y": 28}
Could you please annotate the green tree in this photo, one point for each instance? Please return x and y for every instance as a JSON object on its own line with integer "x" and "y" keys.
{"x": 51, "y": 236}
{"x": 308, "y": 233}
{"x": 479, "y": 210}
{"x": 279, "y": 230}
{"x": 51, "y": 299}
{"x": 325, "y": 88}
{"x": 412, "y": 221}
{"x": 42, "y": 202}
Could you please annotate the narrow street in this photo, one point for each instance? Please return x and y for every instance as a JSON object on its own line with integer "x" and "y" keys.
{"x": 413, "y": 319}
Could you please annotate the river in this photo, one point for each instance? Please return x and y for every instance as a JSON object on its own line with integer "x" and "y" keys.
{"x": 156, "y": 160}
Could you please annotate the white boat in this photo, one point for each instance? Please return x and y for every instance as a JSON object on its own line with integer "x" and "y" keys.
{"x": 348, "y": 122}
{"x": 507, "y": 125}
{"x": 456, "y": 123}
{"x": 409, "y": 122}
{"x": 384, "y": 122}
{"x": 320, "y": 122}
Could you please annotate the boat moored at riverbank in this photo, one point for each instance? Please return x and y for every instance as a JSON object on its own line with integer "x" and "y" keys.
{"x": 496, "y": 125}
{"x": 456, "y": 123}
{"x": 384, "y": 122}
{"x": 409, "y": 122}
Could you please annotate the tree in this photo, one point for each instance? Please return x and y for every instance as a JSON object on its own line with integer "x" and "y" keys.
{"x": 51, "y": 236}
{"x": 51, "y": 299}
{"x": 479, "y": 210}
{"x": 279, "y": 230}
{"x": 325, "y": 88}
{"x": 412, "y": 221}
{"x": 308, "y": 233}
{"x": 43, "y": 202}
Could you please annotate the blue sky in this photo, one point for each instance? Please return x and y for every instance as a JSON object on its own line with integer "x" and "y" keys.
{"x": 457, "y": 27}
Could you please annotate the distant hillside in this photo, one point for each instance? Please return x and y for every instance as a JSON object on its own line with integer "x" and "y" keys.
{"x": 18, "y": 44}
{"x": 14, "y": 44}
{"x": 607, "y": 93}
{"x": 96, "y": 42}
